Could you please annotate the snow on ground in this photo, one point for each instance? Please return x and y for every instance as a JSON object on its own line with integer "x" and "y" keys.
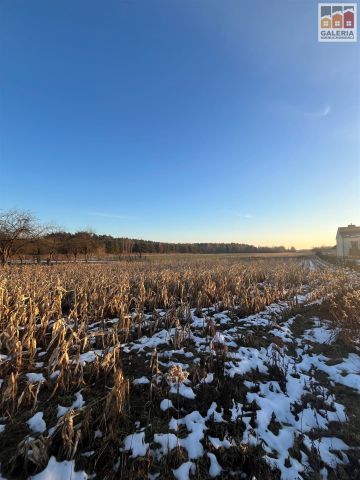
{"x": 166, "y": 404}
{"x": 90, "y": 356}
{"x": 35, "y": 377}
{"x": 183, "y": 472}
{"x": 36, "y": 423}
{"x": 346, "y": 372}
{"x": 278, "y": 408}
{"x": 320, "y": 333}
{"x": 60, "y": 471}
{"x": 274, "y": 402}
{"x": 141, "y": 381}
{"x": 77, "y": 403}
{"x": 136, "y": 444}
{"x": 182, "y": 390}
{"x": 159, "y": 338}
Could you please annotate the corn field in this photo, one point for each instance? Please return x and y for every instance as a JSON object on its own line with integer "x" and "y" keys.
{"x": 89, "y": 353}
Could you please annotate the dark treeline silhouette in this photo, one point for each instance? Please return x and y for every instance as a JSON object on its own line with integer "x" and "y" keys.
{"x": 127, "y": 245}
{"x": 86, "y": 244}
{"x": 22, "y": 238}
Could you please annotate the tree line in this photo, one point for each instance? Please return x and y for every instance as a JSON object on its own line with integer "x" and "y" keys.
{"x": 23, "y": 238}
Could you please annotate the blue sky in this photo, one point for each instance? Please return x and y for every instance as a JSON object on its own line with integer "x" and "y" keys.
{"x": 181, "y": 120}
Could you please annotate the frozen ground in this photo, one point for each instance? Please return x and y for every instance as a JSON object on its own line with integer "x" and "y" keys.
{"x": 263, "y": 384}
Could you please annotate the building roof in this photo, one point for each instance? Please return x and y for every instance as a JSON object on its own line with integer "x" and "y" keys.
{"x": 349, "y": 231}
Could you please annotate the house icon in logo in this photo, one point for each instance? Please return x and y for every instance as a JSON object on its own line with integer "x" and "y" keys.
{"x": 325, "y": 21}
{"x": 349, "y": 17}
{"x": 337, "y": 17}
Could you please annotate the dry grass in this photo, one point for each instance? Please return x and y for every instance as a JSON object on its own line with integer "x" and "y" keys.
{"x": 344, "y": 307}
{"x": 47, "y": 311}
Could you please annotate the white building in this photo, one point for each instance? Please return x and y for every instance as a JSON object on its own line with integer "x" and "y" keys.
{"x": 348, "y": 241}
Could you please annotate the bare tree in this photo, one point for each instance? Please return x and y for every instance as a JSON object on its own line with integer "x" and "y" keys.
{"x": 51, "y": 243}
{"x": 18, "y": 228}
{"x": 86, "y": 243}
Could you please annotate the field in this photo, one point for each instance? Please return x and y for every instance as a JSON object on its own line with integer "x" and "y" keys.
{"x": 180, "y": 367}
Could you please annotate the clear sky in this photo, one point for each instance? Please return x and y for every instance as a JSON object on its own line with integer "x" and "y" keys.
{"x": 179, "y": 120}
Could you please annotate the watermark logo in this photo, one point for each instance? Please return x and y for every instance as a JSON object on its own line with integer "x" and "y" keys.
{"x": 337, "y": 22}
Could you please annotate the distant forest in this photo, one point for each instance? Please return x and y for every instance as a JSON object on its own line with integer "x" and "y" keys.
{"x": 88, "y": 244}
{"x": 22, "y": 238}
